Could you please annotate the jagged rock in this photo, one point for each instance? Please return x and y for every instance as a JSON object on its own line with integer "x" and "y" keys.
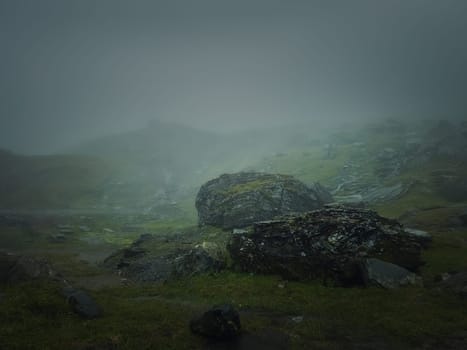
{"x": 82, "y": 303}
{"x": 330, "y": 243}
{"x": 387, "y": 275}
{"x": 220, "y": 322}
{"x": 238, "y": 200}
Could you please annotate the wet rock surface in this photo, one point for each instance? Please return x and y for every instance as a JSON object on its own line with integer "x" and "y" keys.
{"x": 159, "y": 258}
{"x": 331, "y": 243}
{"x": 220, "y": 322}
{"x": 239, "y": 200}
{"x": 383, "y": 274}
{"x": 82, "y": 303}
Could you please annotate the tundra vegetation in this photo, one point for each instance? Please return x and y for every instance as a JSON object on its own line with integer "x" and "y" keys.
{"x": 121, "y": 224}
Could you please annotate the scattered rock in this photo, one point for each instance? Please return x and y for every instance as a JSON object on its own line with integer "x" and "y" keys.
{"x": 220, "y": 322}
{"x": 82, "y": 303}
{"x": 238, "y": 200}
{"x": 330, "y": 243}
{"x": 387, "y": 275}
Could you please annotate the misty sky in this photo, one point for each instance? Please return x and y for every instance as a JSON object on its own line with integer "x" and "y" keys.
{"x": 76, "y": 69}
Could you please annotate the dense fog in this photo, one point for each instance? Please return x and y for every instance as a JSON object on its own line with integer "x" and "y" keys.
{"x": 77, "y": 70}
{"x": 233, "y": 174}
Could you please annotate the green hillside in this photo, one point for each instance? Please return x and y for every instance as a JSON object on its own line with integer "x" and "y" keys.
{"x": 45, "y": 182}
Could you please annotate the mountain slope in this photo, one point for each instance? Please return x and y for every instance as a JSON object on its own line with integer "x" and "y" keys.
{"x": 38, "y": 182}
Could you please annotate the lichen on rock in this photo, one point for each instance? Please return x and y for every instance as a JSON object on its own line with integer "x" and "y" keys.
{"x": 332, "y": 243}
{"x": 240, "y": 199}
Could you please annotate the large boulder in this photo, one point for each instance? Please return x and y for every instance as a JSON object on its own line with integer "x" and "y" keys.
{"x": 332, "y": 243}
{"x": 239, "y": 200}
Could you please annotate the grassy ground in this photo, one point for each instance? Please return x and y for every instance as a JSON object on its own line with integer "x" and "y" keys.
{"x": 34, "y": 315}
{"x": 155, "y": 316}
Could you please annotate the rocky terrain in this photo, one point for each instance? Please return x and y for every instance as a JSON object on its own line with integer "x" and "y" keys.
{"x": 158, "y": 258}
{"x": 331, "y": 244}
{"x": 261, "y": 247}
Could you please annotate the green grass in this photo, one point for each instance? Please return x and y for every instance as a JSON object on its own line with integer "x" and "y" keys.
{"x": 157, "y": 315}
{"x": 34, "y": 315}
{"x": 447, "y": 254}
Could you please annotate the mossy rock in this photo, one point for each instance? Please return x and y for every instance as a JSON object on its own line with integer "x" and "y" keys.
{"x": 240, "y": 199}
{"x": 329, "y": 244}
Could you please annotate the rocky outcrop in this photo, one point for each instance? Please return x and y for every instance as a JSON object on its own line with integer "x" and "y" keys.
{"x": 159, "y": 258}
{"x": 331, "y": 243}
{"x": 239, "y": 200}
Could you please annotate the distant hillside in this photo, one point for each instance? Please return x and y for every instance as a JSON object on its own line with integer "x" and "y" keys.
{"x": 172, "y": 158}
{"x": 62, "y": 181}
{"x": 159, "y": 169}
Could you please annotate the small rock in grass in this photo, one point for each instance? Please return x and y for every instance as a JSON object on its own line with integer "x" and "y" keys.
{"x": 220, "y": 322}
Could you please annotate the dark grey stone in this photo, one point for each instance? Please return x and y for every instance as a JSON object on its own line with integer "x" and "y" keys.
{"x": 82, "y": 303}
{"x": 220, "y": 322}
{"x": 238, "y": 200}
{"x": 387, "y": 275}
{"x": 329, "y": 243}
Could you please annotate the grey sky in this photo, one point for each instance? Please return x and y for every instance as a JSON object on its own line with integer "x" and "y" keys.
{"x": 76, "y": 69}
